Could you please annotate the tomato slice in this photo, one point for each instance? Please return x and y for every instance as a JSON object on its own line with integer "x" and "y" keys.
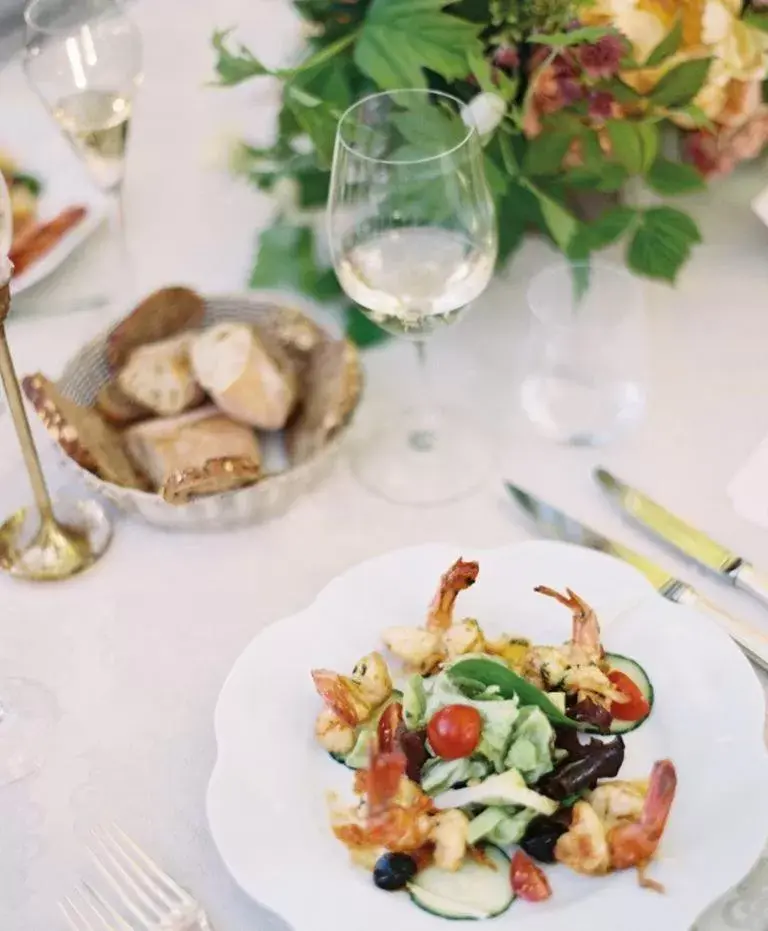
{"x": 454, "y": 731}
{"x": 636, "y": 706}
{"x": 528, "y": 880}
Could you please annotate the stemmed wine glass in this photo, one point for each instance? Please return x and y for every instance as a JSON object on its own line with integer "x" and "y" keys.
{"x": 84, "y": 59}
{"x": 413, "y": 237}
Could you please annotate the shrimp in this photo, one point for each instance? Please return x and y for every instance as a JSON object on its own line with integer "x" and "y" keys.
{"x": 585, "y": 638}
{"x": 449, "y": 835}
{"x": 584, "y": 847}
{"x": 350, "y": 701}
{"x": 464, "y": 637}
{"x": 342, "y": 695}
{"x": 333, "y": 734}
{"x": 421, "y": 650}
{"x": 634, "y": 843}
{"x": 460, "y": 576}
{"x": 620, "y": 827}
{"x": 579, "y": 665}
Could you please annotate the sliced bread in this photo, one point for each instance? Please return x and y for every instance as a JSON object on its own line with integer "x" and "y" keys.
{"x": 168, "y": 445}
{"x": 249, "y": 377}
{"x": 159, "y": 377}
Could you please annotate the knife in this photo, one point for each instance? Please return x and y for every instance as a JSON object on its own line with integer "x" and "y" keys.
{"x": 685, "y": 539}
{"x": 558, "y": 525}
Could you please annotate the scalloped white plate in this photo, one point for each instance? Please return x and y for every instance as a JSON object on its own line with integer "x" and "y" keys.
{"x": 266, "y": 797}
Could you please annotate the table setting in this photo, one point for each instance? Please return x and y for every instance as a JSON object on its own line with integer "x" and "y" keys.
{"x": 236, "y": 478}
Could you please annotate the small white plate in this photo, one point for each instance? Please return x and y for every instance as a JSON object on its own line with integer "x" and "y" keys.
{"x": 266, "y": 798}
{"x": 30, "y": 136}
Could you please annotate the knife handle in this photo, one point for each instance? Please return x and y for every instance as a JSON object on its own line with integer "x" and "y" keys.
{"x": 751, "y": 640}
{"x": 748, "y": 579}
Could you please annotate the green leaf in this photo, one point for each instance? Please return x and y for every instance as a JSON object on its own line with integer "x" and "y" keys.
{"x": 759, "y": 20}
{"x": 510, "y": 685}
{"x": 662, "y": 243}
{"x": 317, "y": 119}
{"x": 668, "y": 45}
{"x": 400, "y": 38}
{"x": 648, "y": 134}
{"x": 31, "y": 182}
{"x": 546, "y": 152}
{"x": 481, "y": 68}
{"x": 235, "y": 67}
{"x": 680, "y": 85}
{"x": 360, "y": 330}
{"x": 561, "y": 224}
{"x": 622, "y": 92}
{"x": 606, "y": 229}
{"x": 574, "y": 37}
{"x": 285, "y": 257}
{"x": 669, "y": 178}
{"x": 515, "y": 212}
{"x": 695, "y": 114}
{"x": 626, "y": 145}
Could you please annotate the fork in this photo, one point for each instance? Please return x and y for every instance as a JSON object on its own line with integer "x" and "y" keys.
{"x": 145, "y": 898}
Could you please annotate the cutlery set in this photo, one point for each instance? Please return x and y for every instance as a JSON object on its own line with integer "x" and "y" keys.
{"x": 681, "y": 537}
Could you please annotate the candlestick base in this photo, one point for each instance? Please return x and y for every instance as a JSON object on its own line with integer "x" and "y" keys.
{"x": 48, "y": 549}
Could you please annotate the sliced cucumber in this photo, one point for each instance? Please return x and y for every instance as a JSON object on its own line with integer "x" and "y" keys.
{"x": 357, "y": 758}
{"x": 474, "y": 891}
{"x": 639, "y": 676}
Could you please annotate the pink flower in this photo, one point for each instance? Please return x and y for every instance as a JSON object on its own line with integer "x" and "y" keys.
{"x": 601, "y": 59}
{"x": 719, "y": 153}
{"x": 600, "y": 105}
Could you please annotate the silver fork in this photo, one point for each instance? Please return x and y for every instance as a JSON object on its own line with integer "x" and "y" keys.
{"x": 144, "y": 897}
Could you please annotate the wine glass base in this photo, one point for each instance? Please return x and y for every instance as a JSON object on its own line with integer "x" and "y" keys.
{"x": 40, "y": 550}
{"x": 422, "y": 466}
{"x": 28, "y": 714}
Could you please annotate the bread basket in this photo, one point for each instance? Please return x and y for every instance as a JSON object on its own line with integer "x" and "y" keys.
{"x": 88, "y": 371}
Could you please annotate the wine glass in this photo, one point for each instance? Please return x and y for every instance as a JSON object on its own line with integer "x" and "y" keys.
{"x": 412, "y": 233}
{"x": 83, "y": 57}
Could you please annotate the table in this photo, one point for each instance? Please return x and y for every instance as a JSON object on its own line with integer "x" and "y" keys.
{"x": 137, "y": 650}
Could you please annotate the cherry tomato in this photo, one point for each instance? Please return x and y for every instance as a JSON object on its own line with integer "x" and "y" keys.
{"x": 454, "y": 731}
{"x": 388, "y": 727}
{"x": 636, "y": 707}
{"x": 528, "y": 880}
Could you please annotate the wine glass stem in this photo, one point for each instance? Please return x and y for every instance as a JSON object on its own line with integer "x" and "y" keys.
{"x": 120, "y": 240}
{"x": 421, "y": 436}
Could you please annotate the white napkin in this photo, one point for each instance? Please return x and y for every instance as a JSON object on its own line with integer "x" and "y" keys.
{"x": 748, "y": 489}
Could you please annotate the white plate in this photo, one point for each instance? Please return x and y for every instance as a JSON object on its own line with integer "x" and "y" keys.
{"x": 31, "y": 138}
{"x": 266, "y": 804}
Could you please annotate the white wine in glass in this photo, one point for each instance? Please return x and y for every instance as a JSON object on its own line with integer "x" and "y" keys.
{"x": 412, "y": 231}
{"x": 84, "y": 59}
{"x": 96, "y": 123}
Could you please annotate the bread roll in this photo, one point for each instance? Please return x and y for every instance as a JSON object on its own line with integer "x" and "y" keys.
{"x": 159, "y": 377}
{"x": 118, "y": 409}
{"x": 248, "y": 379}
{"x": 161, "y": 315}
{"x": 163, "y": 447}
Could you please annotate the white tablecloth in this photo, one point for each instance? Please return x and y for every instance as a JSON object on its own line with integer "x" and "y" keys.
{"x": 136, "y": 651}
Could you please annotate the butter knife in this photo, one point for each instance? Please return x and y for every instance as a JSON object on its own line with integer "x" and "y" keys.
{"x": 556, "y": 524}
{"x": 684, "y": 538}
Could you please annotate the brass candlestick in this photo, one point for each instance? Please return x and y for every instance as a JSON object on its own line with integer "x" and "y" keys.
{"x": 34, "y": 544}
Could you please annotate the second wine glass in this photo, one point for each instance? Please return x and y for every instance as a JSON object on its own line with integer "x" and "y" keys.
{"x": 412, "y": 231}
{"x": 84, "y": 59}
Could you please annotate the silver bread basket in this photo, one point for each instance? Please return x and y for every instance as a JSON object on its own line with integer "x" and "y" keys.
{"x": 88, "y": 371}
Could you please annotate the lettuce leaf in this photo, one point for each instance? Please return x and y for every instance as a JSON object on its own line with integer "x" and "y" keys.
{"x": 532, "y": 745}
{"x": 440, "y": 775}
{"x": 414, "y": 703}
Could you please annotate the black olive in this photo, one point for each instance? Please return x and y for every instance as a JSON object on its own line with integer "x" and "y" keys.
{"x": 540, "y": 838}
{"x": 393, "y": 871}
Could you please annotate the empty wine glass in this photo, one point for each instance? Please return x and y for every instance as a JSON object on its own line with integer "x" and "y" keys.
{"x": 587, "y": 353}
{"x": 84, "y": 59}
{"x": 412, "y": 233}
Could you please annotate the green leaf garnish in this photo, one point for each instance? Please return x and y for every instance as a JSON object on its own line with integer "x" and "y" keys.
{"x": 510, "y": 685}
{"x": 669, "y": 178}
{"x": 668, "y": 45}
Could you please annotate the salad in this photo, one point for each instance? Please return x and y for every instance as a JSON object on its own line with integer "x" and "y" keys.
{"x": 491, "y": 759}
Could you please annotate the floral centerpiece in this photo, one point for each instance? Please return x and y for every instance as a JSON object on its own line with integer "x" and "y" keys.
{"x": 573, "y": 98}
